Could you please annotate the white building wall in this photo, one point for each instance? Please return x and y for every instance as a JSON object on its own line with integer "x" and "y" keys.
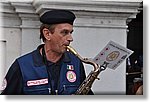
{"x": 89, "y": 44}
{"x": 97, "y": 23}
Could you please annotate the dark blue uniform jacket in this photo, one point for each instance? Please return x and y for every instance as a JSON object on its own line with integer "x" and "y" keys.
{"x": 29, "y": 75}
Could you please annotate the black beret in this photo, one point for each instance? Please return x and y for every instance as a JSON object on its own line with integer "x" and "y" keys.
{"x": 57, "y": 16}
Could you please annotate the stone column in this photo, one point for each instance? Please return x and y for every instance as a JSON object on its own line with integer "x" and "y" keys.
{"x": 20, "y": 26}
{"x": 9, "y": 33}
{"x": 30, "y": 23}
{"x": 2, "y": 56}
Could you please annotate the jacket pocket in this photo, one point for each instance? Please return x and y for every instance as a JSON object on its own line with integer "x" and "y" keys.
{"x": 69, "y": 89}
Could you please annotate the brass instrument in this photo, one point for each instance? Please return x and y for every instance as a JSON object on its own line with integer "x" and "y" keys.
{"x": 86, "y": 85}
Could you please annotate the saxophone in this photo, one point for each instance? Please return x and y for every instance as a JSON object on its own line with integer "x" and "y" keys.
{"x": 86, "y": 85}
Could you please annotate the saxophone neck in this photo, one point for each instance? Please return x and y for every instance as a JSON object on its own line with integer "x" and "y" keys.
{"x": 85, "y": 60}
{"x": 71, "y": 49}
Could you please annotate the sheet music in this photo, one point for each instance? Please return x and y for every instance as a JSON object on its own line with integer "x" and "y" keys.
{"x": 113, "y": 54}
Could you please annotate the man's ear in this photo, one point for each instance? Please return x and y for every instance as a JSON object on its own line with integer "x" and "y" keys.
{"x": 46, "y": 33}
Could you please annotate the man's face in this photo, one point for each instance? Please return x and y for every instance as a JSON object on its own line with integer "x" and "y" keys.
{"x": 61, "y": 37}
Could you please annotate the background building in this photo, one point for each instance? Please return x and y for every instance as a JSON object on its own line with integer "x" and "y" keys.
{"x": 98, "y": 22}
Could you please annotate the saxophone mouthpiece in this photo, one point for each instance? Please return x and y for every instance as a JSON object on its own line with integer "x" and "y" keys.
{"x": 72, "y": 50}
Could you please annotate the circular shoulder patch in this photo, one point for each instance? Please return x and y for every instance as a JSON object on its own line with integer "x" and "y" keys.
{"x": 4, "y": 84}
{"x": 71, "y": 76}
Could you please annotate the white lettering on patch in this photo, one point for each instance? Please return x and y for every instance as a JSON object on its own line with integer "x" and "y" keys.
{"x": 37, "y": 82}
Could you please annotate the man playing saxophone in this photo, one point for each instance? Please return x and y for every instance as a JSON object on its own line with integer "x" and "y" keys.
{"x": 50, "y": 69}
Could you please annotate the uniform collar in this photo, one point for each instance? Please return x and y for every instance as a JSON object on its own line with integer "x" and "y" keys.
{"x": 38, "y": 58}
